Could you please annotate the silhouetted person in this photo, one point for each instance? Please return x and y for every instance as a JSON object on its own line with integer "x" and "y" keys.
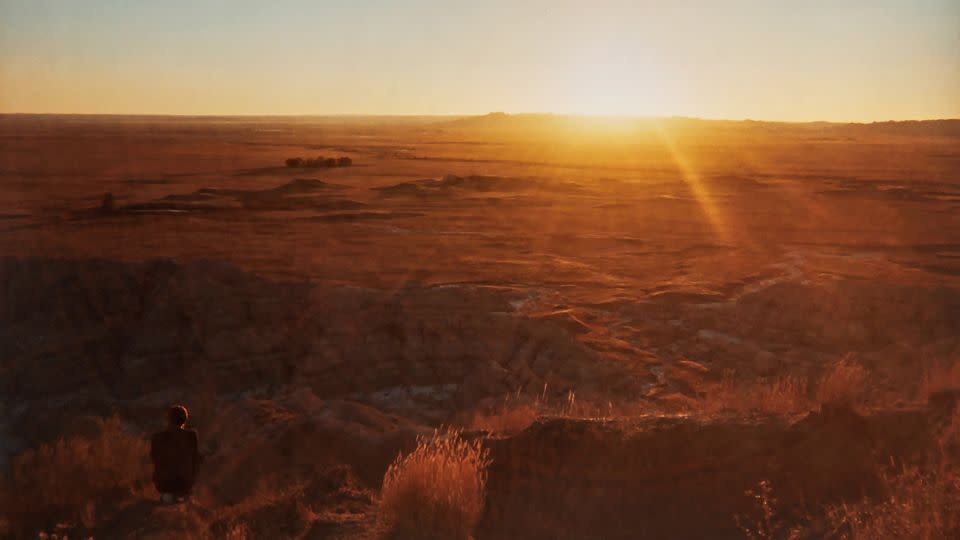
{"x": 176, "y": 457}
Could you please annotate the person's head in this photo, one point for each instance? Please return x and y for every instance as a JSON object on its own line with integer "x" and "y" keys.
{"x": 177, "y": 416}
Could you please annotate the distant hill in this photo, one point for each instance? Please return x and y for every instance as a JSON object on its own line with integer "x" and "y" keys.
{"x": 556, "y": 124}
{"x": 943, "y": 128}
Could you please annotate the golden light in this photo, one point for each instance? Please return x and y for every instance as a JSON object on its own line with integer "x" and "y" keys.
{"x": 699, "y": 189}
{"x": 607, "y": 81}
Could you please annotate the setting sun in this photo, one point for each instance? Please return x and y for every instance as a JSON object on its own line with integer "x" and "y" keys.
{"x": 607, "y": 80}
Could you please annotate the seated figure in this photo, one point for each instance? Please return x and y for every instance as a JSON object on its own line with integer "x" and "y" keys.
{"x": 176, "y": 457}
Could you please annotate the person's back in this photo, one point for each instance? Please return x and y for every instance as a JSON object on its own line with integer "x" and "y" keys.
{"x": 176, "y": 456}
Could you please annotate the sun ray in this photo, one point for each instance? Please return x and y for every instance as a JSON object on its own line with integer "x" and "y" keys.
{"x": 700, "y": 189}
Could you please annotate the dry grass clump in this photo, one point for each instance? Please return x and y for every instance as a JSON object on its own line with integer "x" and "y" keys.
{"x": 517, "y": 413}
{"x": 64, "y": 480}
{"x": 783, "y": 395}
{"x": 436, "y": 491}
{"x": 920, "y": 503}
{"x": 786, "y": 394}
{"x": 843, "y": 385}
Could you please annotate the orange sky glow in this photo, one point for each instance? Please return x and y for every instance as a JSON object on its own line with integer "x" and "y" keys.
{"x": 845, "y": 60}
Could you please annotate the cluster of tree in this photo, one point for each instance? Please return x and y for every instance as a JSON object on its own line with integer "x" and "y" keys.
{"x": 320, "y": 161}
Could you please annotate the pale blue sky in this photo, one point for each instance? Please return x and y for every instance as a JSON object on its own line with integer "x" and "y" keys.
{"x": 814, "y": 59}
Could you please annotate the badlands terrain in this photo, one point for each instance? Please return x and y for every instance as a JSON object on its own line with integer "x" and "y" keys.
{"x": 614, "y": 276}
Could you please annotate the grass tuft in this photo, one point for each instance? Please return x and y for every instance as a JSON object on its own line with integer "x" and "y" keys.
{"x": 843, "y": 385}
{"x": 920, "y": 502}
{"x": 436, "y": 491}
{"x": 66, "y": 478}
{"x": 784, "y": 395}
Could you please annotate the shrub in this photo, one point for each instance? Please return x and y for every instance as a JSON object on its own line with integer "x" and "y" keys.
{"x": 344, "y": 161}
{"x": 294, "y": 162}
{"x": 437, "y": 490}
{"x": 64, "y": 479}
{"x": 843, "y": 385}
{"x": 762, "y": 523}
{"x": 786, "y": 394}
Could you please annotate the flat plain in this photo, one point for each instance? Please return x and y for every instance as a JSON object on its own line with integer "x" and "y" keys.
{"x": 601, "y": 267}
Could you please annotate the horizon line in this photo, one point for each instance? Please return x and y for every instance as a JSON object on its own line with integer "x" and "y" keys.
{"x": 476, "y": 115}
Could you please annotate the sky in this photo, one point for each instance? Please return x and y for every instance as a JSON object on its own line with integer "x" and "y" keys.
{"x": 842, "y": 60}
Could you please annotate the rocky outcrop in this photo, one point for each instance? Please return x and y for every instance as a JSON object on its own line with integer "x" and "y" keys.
{"x": 320, "y": 161}
{"x": 680, "y": 478}
{"x": 453, "y": 186}
{"x": 855, "y": 313}
{"x": 94, "y": 331}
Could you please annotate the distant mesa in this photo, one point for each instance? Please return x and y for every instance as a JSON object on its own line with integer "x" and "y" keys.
{"x": 297, "y": 194}
{"x": 450, "y": 185}
{"x": 319, "y": 162}
{"x": 301, "y": 185}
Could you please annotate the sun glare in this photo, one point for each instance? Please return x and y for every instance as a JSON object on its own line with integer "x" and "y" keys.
{"x": 605, "y": 84}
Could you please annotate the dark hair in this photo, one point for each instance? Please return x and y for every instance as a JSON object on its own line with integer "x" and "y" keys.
{"x": 177, "y": 415}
